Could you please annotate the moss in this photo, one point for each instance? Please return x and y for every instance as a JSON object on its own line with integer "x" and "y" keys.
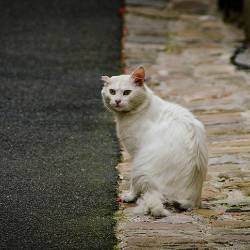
{"x": 247, "y": 192}
{"x": 117, "y": 247}
{"x": 120, "y": 216}
{"x": 173, "y": 49}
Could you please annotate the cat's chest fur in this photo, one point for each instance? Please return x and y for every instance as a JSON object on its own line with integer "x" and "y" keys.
{"x": 133, "y": 128}
{"x": 129, "y": 134}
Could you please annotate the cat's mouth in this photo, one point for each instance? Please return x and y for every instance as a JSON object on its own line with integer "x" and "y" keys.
{"x": 118, "y": 106}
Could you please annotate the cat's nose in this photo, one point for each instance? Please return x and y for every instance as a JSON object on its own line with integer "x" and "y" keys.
{"x": 117, "y": 101}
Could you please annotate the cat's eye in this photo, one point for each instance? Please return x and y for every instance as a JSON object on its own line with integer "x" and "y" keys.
{"x": 112, "y": 91}
{"x": 126, "y": 92}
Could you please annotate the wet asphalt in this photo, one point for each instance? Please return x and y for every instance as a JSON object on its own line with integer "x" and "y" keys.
{"x": 57, "y": 144}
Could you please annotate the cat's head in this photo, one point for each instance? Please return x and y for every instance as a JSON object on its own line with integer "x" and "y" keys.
{"x": 124, "y": 93}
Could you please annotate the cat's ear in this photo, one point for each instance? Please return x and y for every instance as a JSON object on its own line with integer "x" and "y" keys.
{"x": 138, "y": 76}
{"x": 105, "y": 80}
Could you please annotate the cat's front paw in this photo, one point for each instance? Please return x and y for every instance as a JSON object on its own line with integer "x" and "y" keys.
{"x": 159, "y": 212}
{"x": 128, "y": 197}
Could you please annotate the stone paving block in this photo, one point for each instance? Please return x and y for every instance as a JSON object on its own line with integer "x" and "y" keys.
{"x": 154, "y": 3}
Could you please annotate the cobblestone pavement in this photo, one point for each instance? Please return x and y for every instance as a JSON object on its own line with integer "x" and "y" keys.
{"x": 185, "y": 48}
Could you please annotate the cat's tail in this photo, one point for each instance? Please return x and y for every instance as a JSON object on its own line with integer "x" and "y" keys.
{"x": 199, "y": 160}
{"x": 151, "y": 203}
{"x": 200, "y": 149}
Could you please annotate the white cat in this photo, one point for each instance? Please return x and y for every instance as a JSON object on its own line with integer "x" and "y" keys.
{"x": 167, "y": 145}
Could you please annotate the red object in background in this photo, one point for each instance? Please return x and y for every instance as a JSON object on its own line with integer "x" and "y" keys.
{"x": 125, "y": 30}
{"x": 119, "y": 200}
{"x": 122, "y": 11}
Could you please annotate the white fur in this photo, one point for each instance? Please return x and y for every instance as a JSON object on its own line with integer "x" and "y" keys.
{"x": 167, "y": 145}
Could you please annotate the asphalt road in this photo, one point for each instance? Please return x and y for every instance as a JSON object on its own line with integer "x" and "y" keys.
{"x": 57, "y": 144}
